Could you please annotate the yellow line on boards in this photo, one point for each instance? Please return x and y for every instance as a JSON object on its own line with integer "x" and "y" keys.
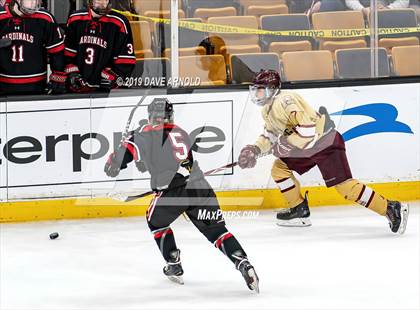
{"x": 230, "y": 201}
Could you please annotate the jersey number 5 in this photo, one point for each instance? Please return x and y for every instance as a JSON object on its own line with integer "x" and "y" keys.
{"x": 181, "y": 150}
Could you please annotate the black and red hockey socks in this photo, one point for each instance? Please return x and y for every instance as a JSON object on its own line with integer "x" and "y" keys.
{"x": 229, "y": 246}
{"x": 165, "y": 241}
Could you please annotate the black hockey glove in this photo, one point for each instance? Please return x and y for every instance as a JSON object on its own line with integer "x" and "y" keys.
{"x": 141, "y": 166}
{"x": 108, "y": 79}
{"x": 115, "y": 163}
{"x": 75, "y": 81}
{"x": 57, "y": 83}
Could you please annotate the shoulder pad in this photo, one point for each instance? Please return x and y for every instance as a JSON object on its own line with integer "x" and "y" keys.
{"x": 287, "y": 99}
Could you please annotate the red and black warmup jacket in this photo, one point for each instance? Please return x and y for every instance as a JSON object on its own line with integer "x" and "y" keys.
{"x": 23, "y": 65}
{"x": 93, "y": 44}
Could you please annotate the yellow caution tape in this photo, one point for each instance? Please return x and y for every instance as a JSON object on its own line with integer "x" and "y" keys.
{"x": 225, "y": 29}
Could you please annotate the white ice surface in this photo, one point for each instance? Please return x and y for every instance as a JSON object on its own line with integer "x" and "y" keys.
{"x": 348, "y": 259}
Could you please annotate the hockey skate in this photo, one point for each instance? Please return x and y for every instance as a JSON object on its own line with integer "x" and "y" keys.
{"x": 397, "y": 215}
{"x": 173, "y": 270}
{"x": 295, "y": 217}
{"x": 248, "y": 272}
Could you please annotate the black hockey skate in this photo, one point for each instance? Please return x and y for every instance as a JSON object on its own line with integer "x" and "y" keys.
{"x": 397, "y": 215}
{"x": 248, "y": 272}
{"x": 295, "y": 217}
{"x": 173, "y": 270}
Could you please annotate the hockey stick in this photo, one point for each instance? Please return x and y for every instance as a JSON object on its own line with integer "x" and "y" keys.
{"x": 5, "y": 42}
{"x": 131, "y": 198}
{"x": 130, "y": 117}
{"x": 207, "y": 173}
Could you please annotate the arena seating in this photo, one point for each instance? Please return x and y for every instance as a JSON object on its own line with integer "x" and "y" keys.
{"x": 401, "y": 18}
{"x": 298, "y": 58}
{"x": 246, "y": 4}
{"x": 283, "y": 22}
{"x": 231, "y": 43}
{"x": 406, "y": 60}
{"x": 260, "y": 10}
{"x": 211, "y": 69}
{"x": 142, "y": 6}
{"x": 142, "y": 39}
{"x": 190, "y": 42}
{"x": 307, "y": 65}
{"x": 205, "y": 13}
{"x": 244, "y": 66}
{"x": 356, "y": 63}
{"x": 340, "y": 21}
{"x": 152, "y": 68}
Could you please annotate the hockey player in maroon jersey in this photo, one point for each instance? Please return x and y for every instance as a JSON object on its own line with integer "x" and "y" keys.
{"x": 99, "y": 48}
{"x": 164, "y": 149}
{"x": 302, "y": 139}
{"x": 35, "y": 35}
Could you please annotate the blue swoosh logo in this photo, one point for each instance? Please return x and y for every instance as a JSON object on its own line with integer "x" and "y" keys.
{"x": 385, "y": 120}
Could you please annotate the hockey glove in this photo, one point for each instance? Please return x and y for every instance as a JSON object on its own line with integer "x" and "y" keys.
{"x": 57, "y": 83}
{"x": 75, "y": 81}
{"x": 329, "y": 123}
{"x": 114, "y": 164}
{"x": 248, "y": 156}
{"x": 141, "y": 166}
{"x": 282, "y": 148}
{"x": 108, "y": 79}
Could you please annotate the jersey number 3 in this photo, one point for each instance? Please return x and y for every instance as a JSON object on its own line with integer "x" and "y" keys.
{"x": 90, "y": 56}
{"x": 181, "y": 151}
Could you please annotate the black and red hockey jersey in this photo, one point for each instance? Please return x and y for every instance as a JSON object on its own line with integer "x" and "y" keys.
{"x": 163, "y": 149}
{"x": 93, "y": 44}
{"x": 23, "y": 65}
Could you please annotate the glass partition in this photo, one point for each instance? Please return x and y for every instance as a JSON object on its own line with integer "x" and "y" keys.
{"x": 225, "y": 42}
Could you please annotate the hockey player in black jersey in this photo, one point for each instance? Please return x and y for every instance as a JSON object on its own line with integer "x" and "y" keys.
{"x": 35, "y": 35}
{"x": 164, "y": 149}
{"x": 99, "y": 48}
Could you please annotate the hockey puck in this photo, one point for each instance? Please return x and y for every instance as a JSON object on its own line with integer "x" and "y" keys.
{"x": 54, "y": 235}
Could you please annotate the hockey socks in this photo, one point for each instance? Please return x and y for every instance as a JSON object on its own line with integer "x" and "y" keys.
{"x": 228, "y": 244}
{"x": 165, "y": 241}
{"x": 358, "y": 192}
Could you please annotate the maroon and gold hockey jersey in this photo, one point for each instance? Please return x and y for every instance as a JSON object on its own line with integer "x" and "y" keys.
{"x": 23, "y": 65}
{"x": 93, "y": 44}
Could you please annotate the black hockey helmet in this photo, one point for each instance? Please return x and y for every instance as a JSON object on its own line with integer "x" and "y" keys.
{"x": 100, "y": 7}
{"x": 265, "y": 86}
{"x": 160, "y": 111}
{"x": 27, "y": 7}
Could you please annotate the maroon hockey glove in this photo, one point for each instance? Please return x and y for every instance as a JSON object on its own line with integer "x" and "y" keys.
{"x": 57, "y": 83}
{"x": 282, "y": 148}
{"x": 108, "y": 79}
{"x": 248, "y": 156}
